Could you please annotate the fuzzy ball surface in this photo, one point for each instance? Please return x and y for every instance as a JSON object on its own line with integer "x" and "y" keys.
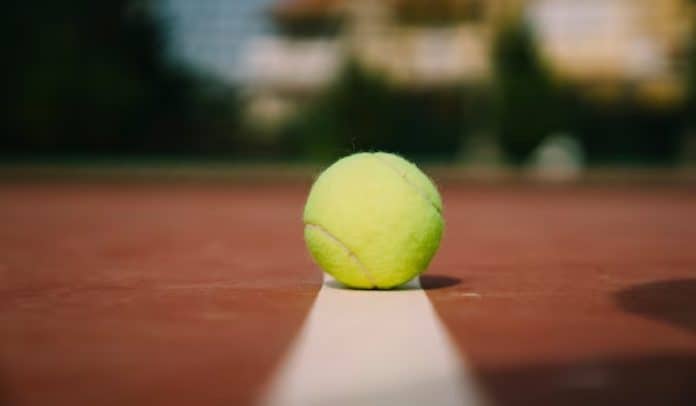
{"x": 373, "y": 221}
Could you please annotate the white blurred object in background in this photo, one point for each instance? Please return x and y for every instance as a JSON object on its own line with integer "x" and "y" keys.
{"x": 559, "y": 158}
{"x": 291, "y": 64}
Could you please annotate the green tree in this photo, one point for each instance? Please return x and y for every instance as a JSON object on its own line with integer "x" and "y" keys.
{"x": 691, "y": 80}
{"x": 86, "y": 77}
{"x": 525, "y": 95}
{"x": 363, "y": 111}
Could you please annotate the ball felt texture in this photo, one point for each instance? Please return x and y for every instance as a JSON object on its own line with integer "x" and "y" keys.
{"x": 373, "y": 221}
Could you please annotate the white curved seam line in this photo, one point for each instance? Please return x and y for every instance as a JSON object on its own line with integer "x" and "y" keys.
{"x": 411, "y": 184}
{"x": 340, "y": 243}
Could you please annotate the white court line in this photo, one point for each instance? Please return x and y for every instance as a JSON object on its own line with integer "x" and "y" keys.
{"x": 372, "y": 348}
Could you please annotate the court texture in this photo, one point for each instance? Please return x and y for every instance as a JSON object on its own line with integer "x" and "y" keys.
{"x": 190, "y": 291}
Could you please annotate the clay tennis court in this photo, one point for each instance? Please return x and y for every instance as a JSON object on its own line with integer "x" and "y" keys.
{"x": 182, "y": 293}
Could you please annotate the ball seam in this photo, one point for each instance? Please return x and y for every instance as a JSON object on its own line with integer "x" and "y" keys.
{"x": 415, "y": 187}
{"x": 351, "y": 254}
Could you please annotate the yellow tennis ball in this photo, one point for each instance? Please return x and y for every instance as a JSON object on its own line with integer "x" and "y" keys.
{"x": 373, "y": 221}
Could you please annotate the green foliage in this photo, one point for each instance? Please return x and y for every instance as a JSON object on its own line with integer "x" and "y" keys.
{"x": 92, "y": 77}
{"x": 526, "y": 100}
{"x": 362, "y": 111}
{"x": 85, "y": 77}
{"x": 530, "y": 106}
{"x": 623, "y": 131}
{"x": 691, "y": 80}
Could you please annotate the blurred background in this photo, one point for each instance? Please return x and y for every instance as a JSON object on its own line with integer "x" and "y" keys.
{"x": 548, "y": 85}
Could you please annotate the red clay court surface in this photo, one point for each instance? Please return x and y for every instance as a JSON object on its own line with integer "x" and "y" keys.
{"x": 192, "y": 293}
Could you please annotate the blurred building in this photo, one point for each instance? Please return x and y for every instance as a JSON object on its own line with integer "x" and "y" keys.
{"x": 601, "y": 44}
{"x": 443, "y": 43}
{"x": 609, "y": 43}
{"x": 415, "y": 44}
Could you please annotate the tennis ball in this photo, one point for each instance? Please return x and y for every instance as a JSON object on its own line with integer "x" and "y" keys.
{"x": 373, "y": 221}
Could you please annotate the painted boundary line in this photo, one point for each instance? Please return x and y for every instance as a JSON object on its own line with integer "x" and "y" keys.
{"x": 372, "y": 348}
